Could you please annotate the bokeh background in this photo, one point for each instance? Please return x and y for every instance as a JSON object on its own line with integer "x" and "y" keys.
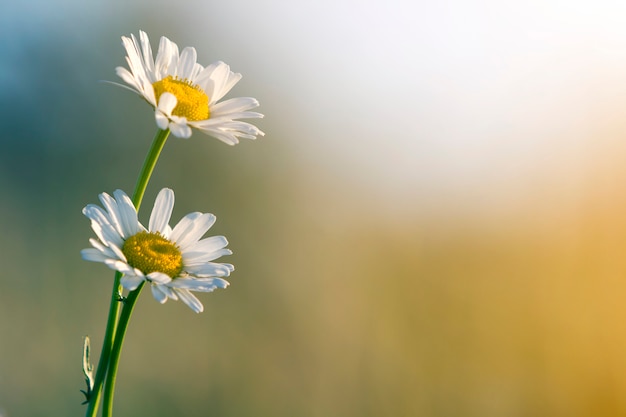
{"x": 433, "y": 225}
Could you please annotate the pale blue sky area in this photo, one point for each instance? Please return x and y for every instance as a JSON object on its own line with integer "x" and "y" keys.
{"x": 395, "y": 95}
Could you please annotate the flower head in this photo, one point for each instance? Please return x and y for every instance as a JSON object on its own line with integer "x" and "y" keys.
{"x": 185, "y": 94}
{"x": 174, "y": 261}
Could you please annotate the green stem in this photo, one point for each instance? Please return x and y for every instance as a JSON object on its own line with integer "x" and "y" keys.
{"x": 148, "y": 166}
{"x": 122, "y": 325}
{"x": 107, "y": 344}
{"x": 112, "y": 333}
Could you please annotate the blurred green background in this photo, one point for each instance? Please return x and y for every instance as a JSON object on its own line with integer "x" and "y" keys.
{"x": 433, "y": 225}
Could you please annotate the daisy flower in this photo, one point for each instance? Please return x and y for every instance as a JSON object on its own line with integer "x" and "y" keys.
{"x": 173, "y": 261}
{"x": 185, "y": 94}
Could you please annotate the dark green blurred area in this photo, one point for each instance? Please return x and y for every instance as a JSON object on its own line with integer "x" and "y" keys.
{"x": 341, "y": 304}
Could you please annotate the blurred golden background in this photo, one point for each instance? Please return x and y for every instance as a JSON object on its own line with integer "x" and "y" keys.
{"x": 433, "y": 225}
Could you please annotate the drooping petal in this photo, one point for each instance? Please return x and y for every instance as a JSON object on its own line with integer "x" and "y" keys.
{"x": 191, "y": 300}
{"x": 167, "y": 102}
{"x": 120, "y": 266}
{"x": 158, "y": 295}
{"x": 179, "y": 127}
{"x": 228, "y": 131}
{"x": 130, "y": 282}
{"x": 162, "y": 120}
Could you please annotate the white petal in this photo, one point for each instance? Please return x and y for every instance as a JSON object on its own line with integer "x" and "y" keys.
{"x": 194, "y": 258}
{"x": 204, "y": 81}
{"x": 234, "y": 105}
{"x": 204, "y": 250}
{"x": 159, "y": 277}
{"x": 186, "y": 63}
{"x": 236, "y": 127}
{"x": 227, "y": 130}
{"x": 229, "y": 117}
{"x": 133, "y": 58}
{"x": 168, "y": 54}
{"x": 118, "y": 252}
{"x": 167, "y": 290}
{"x": 148, "y": 94}
{"x": 128, "y": 78}
{"x": 192, "y": 230}
{"x": 93, "y": 212}
{"x": 210, "y": 244}
{"x": 162, "y": 120}
{"x": 223, "y": 80}
{"x": 148, "y": 61}
{"x": 197, "y": 68}
{"x": 163, "y": 58}
{"x": 93, "y": 255}
{"x": 200, "y": 284}
{"x": 163, "y": 112}
{"x": 167, "y": 102}
{"x": 110, "y": 204}
{"x": 128, "y": 213}
{"x": 179, "y": 127}
{"x": 183, "y": 226}
{"x": 158, "y": 295}
{"x": 108, "y": 251}
{"x": 130, "y": 282}
{"x": 191, "y": 300}
{"x": 167, "y": 232}
{"x": 210, "y": 269}
{"x": 226, "y": 137}
{"x": 107, "y": 234}
{"x": 162, "y": 211}
{"x": 120, "y": 266}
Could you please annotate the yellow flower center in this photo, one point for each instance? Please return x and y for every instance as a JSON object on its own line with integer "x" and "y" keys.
{"x": 193, "y": 103}
{"x": 151, "y": 252}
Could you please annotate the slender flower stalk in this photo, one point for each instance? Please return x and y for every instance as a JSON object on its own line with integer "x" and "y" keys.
{"x": 148, "y": 166}
{"x": 109, "y": 389}
{"x": 107, "y": 344}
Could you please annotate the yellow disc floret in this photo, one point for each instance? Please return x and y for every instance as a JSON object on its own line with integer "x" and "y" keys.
{"x": 151, "y": 252}
{"x": 192, "y": 103}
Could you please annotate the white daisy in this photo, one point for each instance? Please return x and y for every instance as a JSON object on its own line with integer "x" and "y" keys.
{"x": 185, "y": 94}
{"x": 174, "y": 261}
